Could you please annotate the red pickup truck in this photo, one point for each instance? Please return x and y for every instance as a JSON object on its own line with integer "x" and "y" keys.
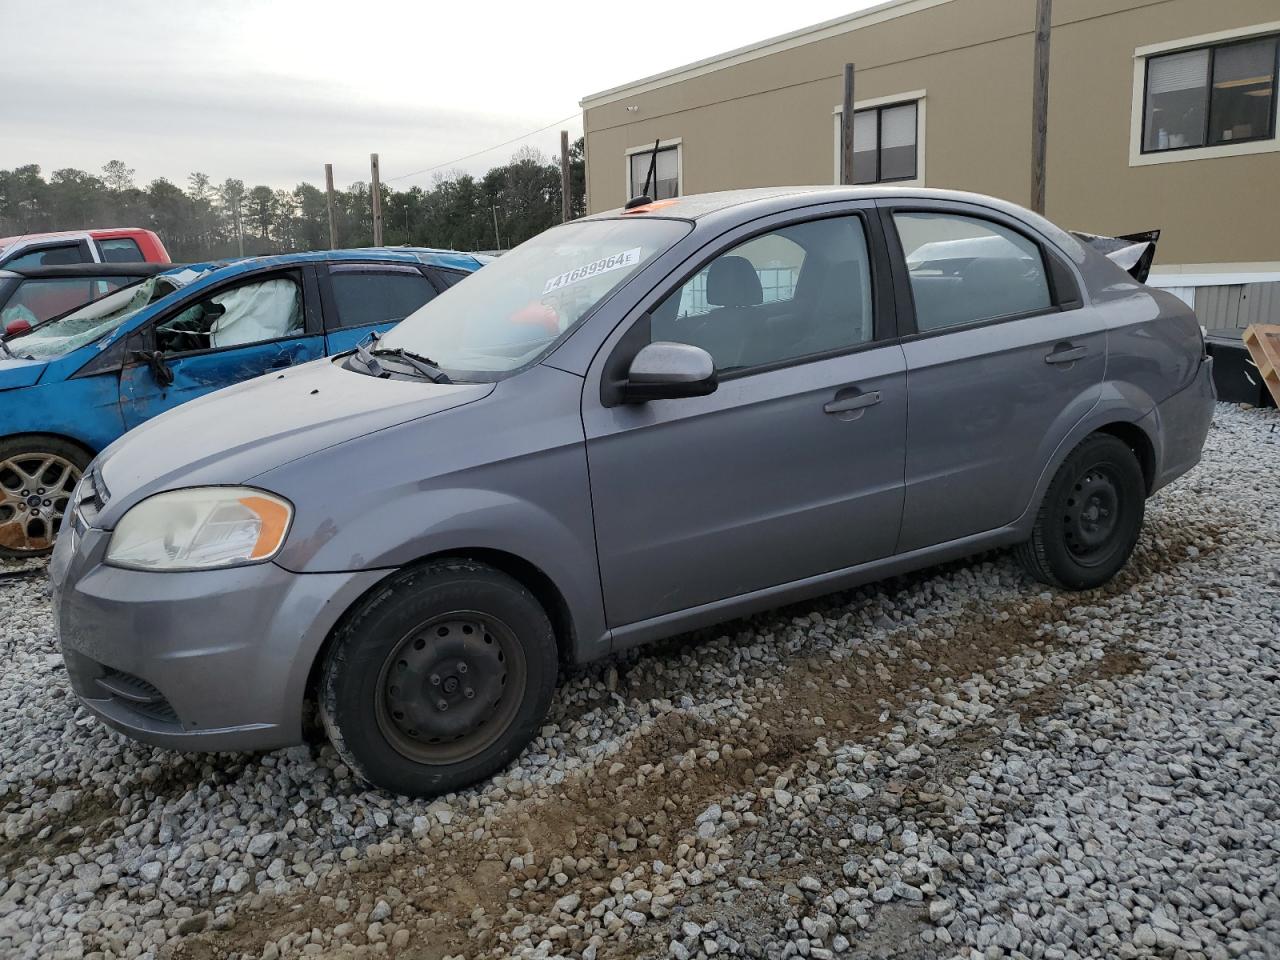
{"x": 107, "y": 245}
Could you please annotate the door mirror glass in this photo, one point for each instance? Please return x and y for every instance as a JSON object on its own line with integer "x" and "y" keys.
{"x": 662, "y": 371}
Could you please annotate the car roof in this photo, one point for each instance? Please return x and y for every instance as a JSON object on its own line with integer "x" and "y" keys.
{"x": 424, "y": 255}
{"x": 739, "y": 206}
{"x": 91, "y": 270}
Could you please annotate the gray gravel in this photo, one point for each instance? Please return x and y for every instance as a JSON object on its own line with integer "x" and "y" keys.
{"x": 958, "y": 763}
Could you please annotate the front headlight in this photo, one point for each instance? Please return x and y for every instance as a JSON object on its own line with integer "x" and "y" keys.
{"x": 200, "y": 529}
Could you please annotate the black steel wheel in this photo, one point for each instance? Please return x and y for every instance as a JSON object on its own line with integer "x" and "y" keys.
{"x": 1089, "y": 521}
{"x": 439, "y": 678}
{"x": 37, "y": 478}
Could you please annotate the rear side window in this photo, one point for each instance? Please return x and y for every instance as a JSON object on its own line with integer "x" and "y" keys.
{"x": 362, "y": 297}
{"x": 120, "y": 250}
{"x": 965, "y": 270}
{"x": 48, "y": 257}
{"x": 799, "y": 291}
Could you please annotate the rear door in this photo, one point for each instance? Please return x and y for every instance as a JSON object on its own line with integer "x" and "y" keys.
{"x": 793, "y": 467}
{"x": 1002, "y": 359}
{"x": 361, "y": 298}
{"x": 243, "y": 329}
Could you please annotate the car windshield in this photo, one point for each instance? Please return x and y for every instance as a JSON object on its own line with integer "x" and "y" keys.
{"x": 508, "y": 314}
{"x": 95, "y": 320}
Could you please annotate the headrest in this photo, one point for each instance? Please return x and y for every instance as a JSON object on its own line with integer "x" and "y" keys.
{"x": 733, "y": 282}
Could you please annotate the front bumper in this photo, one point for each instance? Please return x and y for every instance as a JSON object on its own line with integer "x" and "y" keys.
{"x": 208, "y": 660}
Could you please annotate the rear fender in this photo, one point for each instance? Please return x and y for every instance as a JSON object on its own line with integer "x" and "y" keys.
{"x": 1119, "y": 403}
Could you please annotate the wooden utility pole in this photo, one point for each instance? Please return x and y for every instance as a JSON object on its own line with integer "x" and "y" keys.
{"x": 565, "y": 205}
{"x": 235, "y": 209}
{"x": 328, "y": 187}
{"x": 846, "y": 128}
{"x": 497, "y": 238}
{"x": 377, "y": 199}
{"x": 1040, "y": 105}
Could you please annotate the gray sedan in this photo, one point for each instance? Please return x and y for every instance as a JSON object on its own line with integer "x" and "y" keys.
{"x": 632, "y": 425}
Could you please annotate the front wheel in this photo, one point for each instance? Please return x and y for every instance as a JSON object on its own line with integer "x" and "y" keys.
{"x": 438, "y": 679}
{"x": 1090, "y": 518}
{"x": 37, "y": 478}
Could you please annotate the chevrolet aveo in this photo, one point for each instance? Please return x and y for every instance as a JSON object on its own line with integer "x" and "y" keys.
{"x": 632, "y": 425}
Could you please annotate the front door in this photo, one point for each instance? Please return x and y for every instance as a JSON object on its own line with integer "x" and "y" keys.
{"x": 793, "y": 467}
{"x": 1004, "y": 361}
{"x": 238, "y": 332}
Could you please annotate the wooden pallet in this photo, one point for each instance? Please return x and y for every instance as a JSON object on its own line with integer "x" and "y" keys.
{"x": 1263, "y": 343}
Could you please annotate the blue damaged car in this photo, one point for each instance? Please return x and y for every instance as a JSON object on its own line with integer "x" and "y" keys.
{"x": 70, "y": 386}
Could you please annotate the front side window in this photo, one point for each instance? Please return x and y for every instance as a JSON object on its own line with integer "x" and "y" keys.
{"x": 966, "y": 270}
{"x": 798, "y": 291}
{"x": 884, "y": 143}
{"x": 512, "y": 312}
{"x": 120, "y": 250}
{"x": 1211, "y": 96}
{"x": 664, "y": 183}
{"x": 48, "y": 257}
{"x": 362, "y": 296}
{"x": 250, "y": 313}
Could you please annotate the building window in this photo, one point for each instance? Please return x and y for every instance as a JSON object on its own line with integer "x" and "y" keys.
{"x": 884, "y": 143}
{"x": 665, "y": 181}
{"x": 1211, "y": 96}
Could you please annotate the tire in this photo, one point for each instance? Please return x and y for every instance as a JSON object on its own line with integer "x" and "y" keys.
{"x": 439, "y": 678}
{"x": 37, "y": 477}
{"x": 1090, "y": 518}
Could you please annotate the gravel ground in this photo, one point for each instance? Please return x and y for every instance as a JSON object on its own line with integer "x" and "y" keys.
{"x": 955, "y": 763}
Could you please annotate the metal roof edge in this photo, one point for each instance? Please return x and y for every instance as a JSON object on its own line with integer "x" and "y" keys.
{"x": 889, "y": 10}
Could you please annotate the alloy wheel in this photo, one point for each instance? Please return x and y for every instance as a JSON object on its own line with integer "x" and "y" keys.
{"x": 35, "y": 490}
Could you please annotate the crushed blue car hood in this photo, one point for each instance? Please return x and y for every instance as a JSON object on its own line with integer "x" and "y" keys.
{"x": 234, "y": 435}
{"x": 19, "y": 373}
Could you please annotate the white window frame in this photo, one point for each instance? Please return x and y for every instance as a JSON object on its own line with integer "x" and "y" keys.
{"x": 677, "y": 142}
{"x": 918, "y": 96}
{"x": 1137, "y": 119}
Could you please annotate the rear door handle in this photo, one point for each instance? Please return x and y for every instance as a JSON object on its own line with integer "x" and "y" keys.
{"x": 1066, "y": 355}
{"x": 856, "y": 402}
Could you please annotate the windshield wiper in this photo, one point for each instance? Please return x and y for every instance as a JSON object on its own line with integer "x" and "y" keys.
{"x": 367, "y": 358}
{"x": 424, "y": 365}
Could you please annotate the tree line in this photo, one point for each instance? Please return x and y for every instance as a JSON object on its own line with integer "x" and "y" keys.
{"x": 206, "y": 220}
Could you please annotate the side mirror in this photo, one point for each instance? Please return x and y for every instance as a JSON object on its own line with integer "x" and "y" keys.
{"x": 160, "y": 370}
{"x": 666, "y": 371}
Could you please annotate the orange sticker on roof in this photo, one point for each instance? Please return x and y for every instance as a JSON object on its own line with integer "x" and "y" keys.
{"x": 656, "y": 205}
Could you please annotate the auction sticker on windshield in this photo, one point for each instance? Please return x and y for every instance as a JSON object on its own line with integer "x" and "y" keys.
{"x": 617, "y": 261}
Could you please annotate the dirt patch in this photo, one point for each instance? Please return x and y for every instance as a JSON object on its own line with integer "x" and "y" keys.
{"x": 458, "y": 894}
{"x": 93, "y": 816}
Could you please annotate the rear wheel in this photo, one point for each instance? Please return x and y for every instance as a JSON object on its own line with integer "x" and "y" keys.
{"x": 1090, "y": 518}
{"x": 37, "y": 478}
{"x": 439, "y": 679}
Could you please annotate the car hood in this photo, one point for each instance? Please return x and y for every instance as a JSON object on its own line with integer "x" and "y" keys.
{"x": 16, "y": 372}
{"x": 234, "y": 435}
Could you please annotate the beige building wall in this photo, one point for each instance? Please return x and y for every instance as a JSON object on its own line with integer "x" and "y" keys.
{"x": 752, "y": 120}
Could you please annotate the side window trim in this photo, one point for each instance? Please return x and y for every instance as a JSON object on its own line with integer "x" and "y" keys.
{"x": 145, "y": 337}
{"x": 885, "y": 323}
{"x": 87, "y": 252}
{"x": 1051, "y": 262}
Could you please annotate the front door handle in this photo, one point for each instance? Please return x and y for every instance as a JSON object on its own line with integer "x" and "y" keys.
{"x": 847, "y": 404}
{"x": 1066, "y": 354}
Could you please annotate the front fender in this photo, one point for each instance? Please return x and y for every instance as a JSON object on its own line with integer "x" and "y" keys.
{"x": 505, "y": 474}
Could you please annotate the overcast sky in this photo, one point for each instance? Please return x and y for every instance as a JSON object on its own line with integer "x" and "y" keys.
{"x": 268, "y": 91}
